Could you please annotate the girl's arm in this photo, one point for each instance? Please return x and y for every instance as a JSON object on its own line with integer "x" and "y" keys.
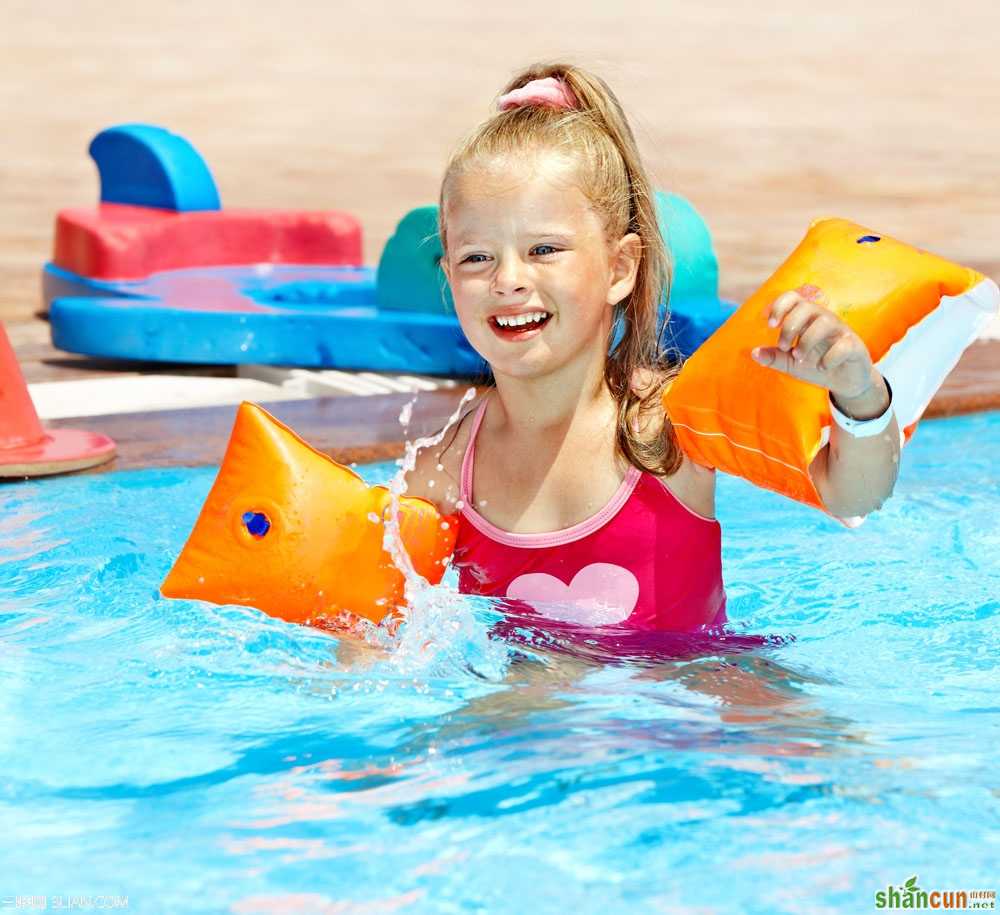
{"x": 853, "y": 475}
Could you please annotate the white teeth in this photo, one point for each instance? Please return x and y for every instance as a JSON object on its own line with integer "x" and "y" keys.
{"x": 518, "y": 320}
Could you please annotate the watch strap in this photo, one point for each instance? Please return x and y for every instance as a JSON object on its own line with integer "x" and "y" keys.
{"x": 863, "y": 428}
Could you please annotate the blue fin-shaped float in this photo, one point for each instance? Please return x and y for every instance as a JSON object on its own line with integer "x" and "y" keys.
{"x": 147, "y": 166}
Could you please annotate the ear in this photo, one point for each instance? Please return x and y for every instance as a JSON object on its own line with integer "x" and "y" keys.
{"x": 625, "y": 258}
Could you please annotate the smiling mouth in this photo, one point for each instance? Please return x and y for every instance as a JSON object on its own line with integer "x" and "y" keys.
{"x": 514, "y": 326}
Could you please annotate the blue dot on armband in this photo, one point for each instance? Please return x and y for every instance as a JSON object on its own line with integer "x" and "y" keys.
{"x": 256, "y": 523}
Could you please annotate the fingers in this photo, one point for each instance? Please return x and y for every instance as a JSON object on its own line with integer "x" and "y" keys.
{"x": 814, "y": 368}
{"x": 774, "y": 358}
{"x": 776, "y": 311}
{"x": 814, "y": 344}
{"x": 797, "y": 312}
{"x": 797, "y": 321}
{"x": 816, "y": 339}
{"x": 843, "y": 349}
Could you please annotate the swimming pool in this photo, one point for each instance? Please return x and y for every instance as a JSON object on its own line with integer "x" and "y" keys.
{"x": 211, "y": 759}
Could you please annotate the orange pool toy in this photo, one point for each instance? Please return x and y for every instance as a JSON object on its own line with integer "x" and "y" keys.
{"x": 26, "y": 448}
{"x": 915, "y": 311}
{"x": 288, "y": 530}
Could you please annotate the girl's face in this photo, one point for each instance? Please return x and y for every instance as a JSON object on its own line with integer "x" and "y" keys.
{"x": 531, "y": 272}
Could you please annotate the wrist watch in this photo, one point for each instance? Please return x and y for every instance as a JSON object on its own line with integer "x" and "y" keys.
{"x": 863, "y": 428}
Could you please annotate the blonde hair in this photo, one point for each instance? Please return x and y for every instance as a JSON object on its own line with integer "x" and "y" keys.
{"x": 597, "y": 137}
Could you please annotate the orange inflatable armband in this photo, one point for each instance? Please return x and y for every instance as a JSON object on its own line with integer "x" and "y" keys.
{"x": 288, "y": 530}
{"x": 915, "y": 312}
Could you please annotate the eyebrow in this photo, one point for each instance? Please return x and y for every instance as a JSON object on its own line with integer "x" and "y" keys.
{"x": 533, "y": 233}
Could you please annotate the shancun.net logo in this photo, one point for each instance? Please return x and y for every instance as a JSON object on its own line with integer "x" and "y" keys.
{"x": 911, "y": 896}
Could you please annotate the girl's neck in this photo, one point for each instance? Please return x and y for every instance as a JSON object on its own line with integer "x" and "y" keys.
{"x": 558, "y": 404}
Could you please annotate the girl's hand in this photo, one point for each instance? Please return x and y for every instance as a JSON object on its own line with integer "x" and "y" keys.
{"x": 817, "y": 346}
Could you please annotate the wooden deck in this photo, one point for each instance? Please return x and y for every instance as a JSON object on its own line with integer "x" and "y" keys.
{"x": 350, "y": 429}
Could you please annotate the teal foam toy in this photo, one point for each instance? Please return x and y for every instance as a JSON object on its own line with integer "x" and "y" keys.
{"x": 695, "y": 268}
{"x": 409, "y": 276}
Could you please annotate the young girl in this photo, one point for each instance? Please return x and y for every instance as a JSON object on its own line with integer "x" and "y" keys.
{"x": 574, "y": 499}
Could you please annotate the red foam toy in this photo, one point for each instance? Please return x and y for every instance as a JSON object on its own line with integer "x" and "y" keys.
{"x": 119, "y": 242}
{"x": 27, "y": 449}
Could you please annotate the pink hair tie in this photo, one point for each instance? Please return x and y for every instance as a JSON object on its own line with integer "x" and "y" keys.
{"x": 549, "y": 91}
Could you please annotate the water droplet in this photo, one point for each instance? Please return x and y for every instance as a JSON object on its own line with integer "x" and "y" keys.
{"x": 373, "y": 518}
{"x": 444, "y": 525}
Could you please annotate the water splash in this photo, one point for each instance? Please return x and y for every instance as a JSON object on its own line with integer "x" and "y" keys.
{"x": 442, "y": 632}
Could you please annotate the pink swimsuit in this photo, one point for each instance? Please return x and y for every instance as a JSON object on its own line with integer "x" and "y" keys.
{"x": 644, "y": 561}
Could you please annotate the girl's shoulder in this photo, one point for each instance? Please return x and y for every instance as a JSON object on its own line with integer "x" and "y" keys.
{"x": 437, "y": 471}
{"x": 693, "y": 486}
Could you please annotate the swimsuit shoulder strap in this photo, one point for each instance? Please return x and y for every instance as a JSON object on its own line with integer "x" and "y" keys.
{"x": 465, "y": 486}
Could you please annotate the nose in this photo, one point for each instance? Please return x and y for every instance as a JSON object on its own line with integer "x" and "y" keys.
{"x": 510, "y": 279}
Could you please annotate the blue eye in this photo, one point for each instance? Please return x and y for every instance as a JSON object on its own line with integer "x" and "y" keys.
{"x": 551, "y": 251}
{"x": 469, "y": 260}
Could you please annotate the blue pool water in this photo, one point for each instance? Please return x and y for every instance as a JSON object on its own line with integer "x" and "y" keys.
{"x": 210, "y": 759}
